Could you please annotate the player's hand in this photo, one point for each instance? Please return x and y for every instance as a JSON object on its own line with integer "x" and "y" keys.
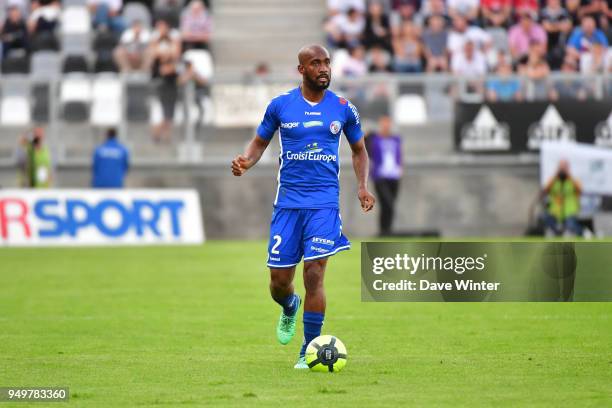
{"x": 240, "y": 165}
{"x": 366, "y": 199}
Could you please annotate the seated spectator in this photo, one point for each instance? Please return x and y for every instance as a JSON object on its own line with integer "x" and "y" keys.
{"x": 377, "y": 30}
{"x": 536, "y": 69}
{"x": 496, "y": 13}
{"x": 355, "y": 65}
{"x": 406, "y": 11}
{"x": 568, "y": 88}
{"x": 466, "y": 8}
{"x": 344, "y": 30}
{"x": 583, "y": 38}
{"x": 44, "y": 17}
{"x": 470, "y": 62}
{"x": 14, "y": 34}
{"x": 435, "y": 38}
{"x": 434, "y": 8}
{"x": 525, "y": 6}
{"x": 408, "y": 50}
{"x": 196, "y": 26}
{"x": 557, "y": 23}
{"x": 524, "y": 33}
{"x": 462, "y": 33}
{"x": 504, "y": 88}
{"x": 107, "y": 14}
{"x": 380, "y": 61}
{"x": 563, "y": 192}
{"x": 165, "y": 51}
{"x": 597, "y": 9}
{"x": 335, "y": 7}
{"x": 130, "y": 54}
{"x": 573, "y": 9}
{"x": 597, "y": 61}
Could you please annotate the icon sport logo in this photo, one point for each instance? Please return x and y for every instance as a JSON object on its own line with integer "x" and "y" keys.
{"x": 335, "y": 127}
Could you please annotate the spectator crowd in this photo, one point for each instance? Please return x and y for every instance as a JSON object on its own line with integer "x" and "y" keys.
{"x": 472, "y": 38}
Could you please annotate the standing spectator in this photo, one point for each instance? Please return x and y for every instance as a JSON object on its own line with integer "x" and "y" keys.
{"x": 524, "y": 33}
{"x": 435, "y": 39}
{"x": 344, "y": 30}
{"x": 44, "y": 17}
{"x": 14, "y": 33}
{"x": 34, "y": 160}
{"x": 496, "y": 13}
{"x": 107, "y": 14}
{"x": 503, "y": 88}
{"x": 408, "y": 50}
{"x": 377, "y": 30}
{"x": 563, "y": 193}
{"x": 165, "y": 50}
{"x": 466, "y": 8}
{"x": 111, "y": 162}
{"x": 557, "y": 23}
{"x": 385, "y": 150}
{"x": 196, "y": 26}
{"x": 583, "y": 38}
{"x": 131, "y": 53}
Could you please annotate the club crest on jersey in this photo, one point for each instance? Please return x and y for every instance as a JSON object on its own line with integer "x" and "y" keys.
{"x": 335, "y": 127}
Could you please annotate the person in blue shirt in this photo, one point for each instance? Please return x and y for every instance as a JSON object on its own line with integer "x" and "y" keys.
{"x": 111, "y": 162}
{"x": 583, "y": 37}
{"x": 306, "y": 217}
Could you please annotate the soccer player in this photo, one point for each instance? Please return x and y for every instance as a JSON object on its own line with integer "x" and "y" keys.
{"x": 306, "y": 218}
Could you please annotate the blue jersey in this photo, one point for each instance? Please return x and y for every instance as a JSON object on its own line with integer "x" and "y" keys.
{"x": 110, "y": 164}
{"x": 309, "y": 139}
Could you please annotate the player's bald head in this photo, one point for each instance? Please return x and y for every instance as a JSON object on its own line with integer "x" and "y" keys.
{"x": 308, "y": 52}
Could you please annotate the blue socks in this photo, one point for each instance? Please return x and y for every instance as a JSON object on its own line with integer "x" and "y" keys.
{"x": 313, "y": 321}
{"x": 289, "y": 304}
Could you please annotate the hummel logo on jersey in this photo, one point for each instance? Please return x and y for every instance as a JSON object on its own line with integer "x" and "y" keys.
{"x": 312, "y": 113}
{"x": 290, "y": 125}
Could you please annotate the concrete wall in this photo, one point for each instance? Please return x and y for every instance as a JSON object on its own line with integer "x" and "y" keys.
{"x": 458, "y": 200}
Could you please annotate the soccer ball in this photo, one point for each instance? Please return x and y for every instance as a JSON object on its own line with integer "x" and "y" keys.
{"x": 326, "y": 353}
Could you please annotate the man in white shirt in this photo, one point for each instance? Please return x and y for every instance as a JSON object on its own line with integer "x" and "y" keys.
{"x": 470, "y": 63}
{"x": 130, "y": 53}
{"x": 462, "y": 33}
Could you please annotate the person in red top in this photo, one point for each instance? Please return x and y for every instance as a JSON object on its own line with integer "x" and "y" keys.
{"x": 496, "y": 13}
{"x": 522, "y": 6}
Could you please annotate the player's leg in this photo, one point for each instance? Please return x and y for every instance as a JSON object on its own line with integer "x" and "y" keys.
{"x": 322, "y": 238}
{"x": 281, "y": 289}
{"x": 314, "y": 301}
{"x": 284, "y": 252}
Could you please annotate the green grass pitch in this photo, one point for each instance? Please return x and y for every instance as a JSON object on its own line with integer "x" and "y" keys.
{"x": 194, "y": 326}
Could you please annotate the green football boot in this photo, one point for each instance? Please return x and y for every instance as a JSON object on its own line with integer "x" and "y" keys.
{"x": 301, "y": 364}
{"x": 285, "y": 329}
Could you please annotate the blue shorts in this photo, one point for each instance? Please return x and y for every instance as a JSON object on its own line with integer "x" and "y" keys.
{"x": 311, "y": 233}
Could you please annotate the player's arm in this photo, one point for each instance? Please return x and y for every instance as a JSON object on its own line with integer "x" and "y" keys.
{"x": 361, "y": 166}
{"x": 251, "y": 156}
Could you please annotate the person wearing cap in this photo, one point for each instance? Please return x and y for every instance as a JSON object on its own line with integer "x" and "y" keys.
{"x": 524, "y": 33}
